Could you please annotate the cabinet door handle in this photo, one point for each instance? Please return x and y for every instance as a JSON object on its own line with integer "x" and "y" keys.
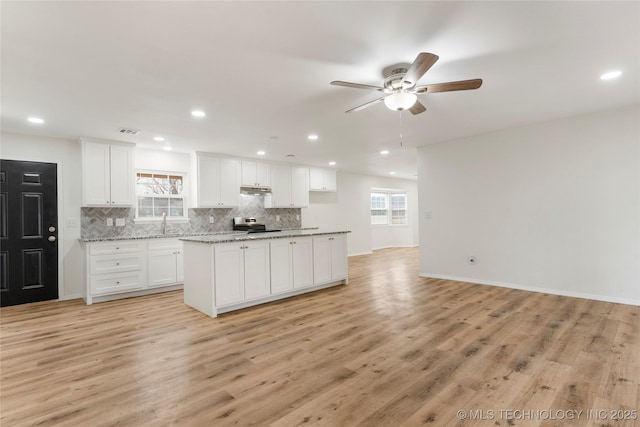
{"x": 117, "y": 263}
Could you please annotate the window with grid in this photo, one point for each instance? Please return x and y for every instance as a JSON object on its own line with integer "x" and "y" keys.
{"x": 388, "y": 208}
{"x": 398, "y": 208}
{"x": 159, "y": 193}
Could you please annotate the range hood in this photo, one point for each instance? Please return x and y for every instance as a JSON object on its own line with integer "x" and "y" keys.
{"x": 255, "y": 191}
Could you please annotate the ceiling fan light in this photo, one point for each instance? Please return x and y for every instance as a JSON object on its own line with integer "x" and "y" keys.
{"x": 400, "y": 101}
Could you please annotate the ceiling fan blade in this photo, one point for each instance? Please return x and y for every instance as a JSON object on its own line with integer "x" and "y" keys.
{"x": 421, "y": 65}
{"x": 450, "y": 86}
{"x": 363, "y": 106}
{"x": 417, "y": 108}
{"x": 357, "y": 85}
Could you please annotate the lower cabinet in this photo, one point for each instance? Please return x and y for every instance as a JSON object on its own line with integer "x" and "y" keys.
{"x": 241, "y": 272}
{"x": 329, "y": 258}
{"x": 115, "y": 269}
{"x": 291, "y": 264}
{"x": 221, "y": 277}
{"x": 165, "y": 262}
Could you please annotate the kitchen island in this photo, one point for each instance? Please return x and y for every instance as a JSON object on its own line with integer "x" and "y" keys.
{"x": 233, "y": 271}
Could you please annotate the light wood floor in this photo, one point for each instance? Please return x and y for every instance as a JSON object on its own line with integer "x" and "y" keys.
{"x": 388, "y": 349}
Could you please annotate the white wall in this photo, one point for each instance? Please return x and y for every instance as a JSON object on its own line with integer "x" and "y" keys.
{"x": 350, "y": 208}
{"x": 161, "y": 160}
{"x": 553, "y": 207}
{"x": 67, "y": 154}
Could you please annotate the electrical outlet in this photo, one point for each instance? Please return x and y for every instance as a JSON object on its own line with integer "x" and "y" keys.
{"x": 277, "y": 218}
{"x": 71, "y": 222}
{"x": 109, "y": 222}
{"x": 428, "y": 215}
{"x": 472, "y": 260}
{"x": 119, "y": 222}
{"x": 297, "y": 217}
{"x": 211, "y": 220}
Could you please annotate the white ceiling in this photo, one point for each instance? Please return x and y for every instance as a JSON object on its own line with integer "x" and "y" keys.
{"x": 261, "y": 72}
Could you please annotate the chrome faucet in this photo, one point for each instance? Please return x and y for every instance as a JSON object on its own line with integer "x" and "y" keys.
{"x": 164, "y": 223}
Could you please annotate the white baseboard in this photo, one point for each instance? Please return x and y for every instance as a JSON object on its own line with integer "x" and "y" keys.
{"x": 70, "y": 297}
{"x": 605, "y": 298}
{"x": 361, "y": 253}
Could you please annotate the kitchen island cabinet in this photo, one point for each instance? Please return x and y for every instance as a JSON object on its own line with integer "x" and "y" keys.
{"x": 226, "y": 273}
{"x": 291, "y": 264}
{"x": 330, "y": 258}
{"x": 242, "y": 273}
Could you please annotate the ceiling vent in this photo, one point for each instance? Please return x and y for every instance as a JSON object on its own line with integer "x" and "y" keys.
{"x": 126, "y": 131}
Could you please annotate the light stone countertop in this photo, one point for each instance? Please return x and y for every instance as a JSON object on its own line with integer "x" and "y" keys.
{"x": 225, "y": 238}
{"x": 230, "y": 235}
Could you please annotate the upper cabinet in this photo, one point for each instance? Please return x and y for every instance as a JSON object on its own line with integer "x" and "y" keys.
{"x": 256, "y": 174}
{"x": 218, "y": 182}
{"x": 289, "y": 187}
{"x": 107, "y": 174}
{"x": 322, "y": 179}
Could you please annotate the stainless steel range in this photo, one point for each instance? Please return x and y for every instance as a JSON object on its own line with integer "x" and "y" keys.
{"x": 251, "y": 225}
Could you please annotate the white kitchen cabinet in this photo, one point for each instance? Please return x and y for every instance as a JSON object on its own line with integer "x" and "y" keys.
{"x": 229, "y": 273}
{"x": 165, "y": 262}
{"x": 107, "y": 174}
{"x": 115, "y": 267}
{"x": 241, "y": 272}
{"x": 329, "y": 258}
{"x": 256, "y": 270}
{"x": 289, "y": 187}
{"x": 218, "y": 182}
{"x": 227, "y": 276}
{"x": 291, "y": 264}
{"x": 321, "y": 179}
{"x": 121, "y": 268}
{"x": 256, "y": 174}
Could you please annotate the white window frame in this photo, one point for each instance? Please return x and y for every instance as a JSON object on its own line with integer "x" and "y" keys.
{"x": 388, "y": 207}
{"x": 173, "y": 219}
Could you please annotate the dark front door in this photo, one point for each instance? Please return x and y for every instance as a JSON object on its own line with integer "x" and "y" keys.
{"x": 28, "y": 232}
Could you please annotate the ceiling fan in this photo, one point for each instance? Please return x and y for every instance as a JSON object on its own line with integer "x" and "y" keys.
{"x": 401, "y": 90}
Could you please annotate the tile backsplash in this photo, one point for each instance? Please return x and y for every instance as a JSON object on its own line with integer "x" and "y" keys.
{"x": 94, "y": 220}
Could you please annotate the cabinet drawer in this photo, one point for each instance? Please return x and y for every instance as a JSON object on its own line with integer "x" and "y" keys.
{"x": 163, "y": 244}
{"x": 117, "y": 282}
{"x": 115, "y": 263}
{"x": 116, "y": 247}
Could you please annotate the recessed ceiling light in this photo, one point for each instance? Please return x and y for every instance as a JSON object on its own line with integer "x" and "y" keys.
{"x": 168, "y": 148}
{"x": 392, "y": 173}
{"x": 332, "y": 163}
{"x": 198, "y": 113}
{"x": 158, "y": 138}
{"x": 36, "y": 120}
{"x": 312, "y": 137}
{"x": 383, "y": 152}
{"x": 261, "y": 153}
{"x": 611, "y": 75}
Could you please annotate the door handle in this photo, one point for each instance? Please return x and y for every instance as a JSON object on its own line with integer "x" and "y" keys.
{"x": 52, "y": 229}
{"x": 51, "y": 238}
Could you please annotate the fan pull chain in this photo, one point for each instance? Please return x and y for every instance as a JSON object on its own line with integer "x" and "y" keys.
{"x": 400, "y": 113}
